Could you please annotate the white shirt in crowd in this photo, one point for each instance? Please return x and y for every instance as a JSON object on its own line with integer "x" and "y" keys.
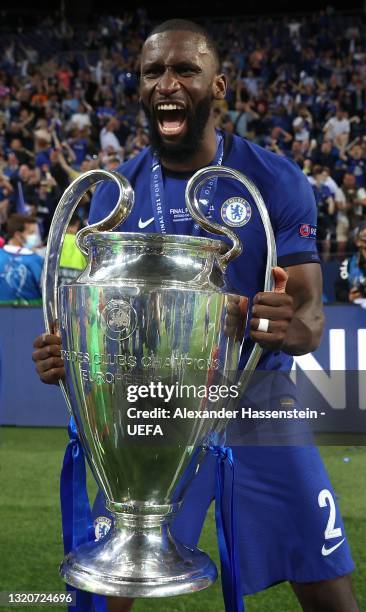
{"x": 335, "y": 127}
{"x": 109, "y": 141}
{"x": 302, "y": 133}
{"x": 81, "y": 120}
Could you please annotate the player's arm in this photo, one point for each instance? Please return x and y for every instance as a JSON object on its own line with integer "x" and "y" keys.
{"x": 305, "y": 286}
{"x": 294, "y": 310}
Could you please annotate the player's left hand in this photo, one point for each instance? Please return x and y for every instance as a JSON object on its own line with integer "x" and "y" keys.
{"x": 276, "y": 306}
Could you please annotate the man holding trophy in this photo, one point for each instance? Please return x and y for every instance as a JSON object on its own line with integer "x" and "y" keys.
{"x": 283, "y": 498}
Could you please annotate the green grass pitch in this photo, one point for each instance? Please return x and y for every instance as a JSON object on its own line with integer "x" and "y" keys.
{"x": 30, "y": 526}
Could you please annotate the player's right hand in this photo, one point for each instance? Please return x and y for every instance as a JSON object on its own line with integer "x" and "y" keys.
{"x": 47, "y": 357}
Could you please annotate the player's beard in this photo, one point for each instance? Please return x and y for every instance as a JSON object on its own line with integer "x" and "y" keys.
{"x": 191, "y": 141}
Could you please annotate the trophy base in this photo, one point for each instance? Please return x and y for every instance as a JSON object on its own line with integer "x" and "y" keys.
{"x": 147, "y": 562}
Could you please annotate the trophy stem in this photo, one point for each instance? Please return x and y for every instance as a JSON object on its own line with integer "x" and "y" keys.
{"x": 138, "y": 558}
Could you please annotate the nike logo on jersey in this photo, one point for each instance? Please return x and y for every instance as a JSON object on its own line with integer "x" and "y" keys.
{"x": 143, "y": 224}
{"x": 328, "y": 551}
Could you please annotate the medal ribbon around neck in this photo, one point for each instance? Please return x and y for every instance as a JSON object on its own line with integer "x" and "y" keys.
{"x": 163, "y": 222}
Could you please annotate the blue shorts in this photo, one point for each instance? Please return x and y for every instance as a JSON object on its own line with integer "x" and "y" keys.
{"x": 288, "y": 522}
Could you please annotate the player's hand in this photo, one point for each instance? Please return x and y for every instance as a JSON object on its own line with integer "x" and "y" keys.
{"x": 277, "y": 307}
{"x": 47, "y": 357}
{"x": 236, "y": 316}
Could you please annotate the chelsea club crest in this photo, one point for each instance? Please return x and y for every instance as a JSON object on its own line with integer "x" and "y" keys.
{"x": 236, "y": 212}
{"x": 102, "y": 525}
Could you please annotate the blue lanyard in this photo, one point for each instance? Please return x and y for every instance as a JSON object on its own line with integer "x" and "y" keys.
{"x": 163, "y": 224}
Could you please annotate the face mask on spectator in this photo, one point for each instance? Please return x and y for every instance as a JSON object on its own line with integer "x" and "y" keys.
{"x": 31, "y": 241}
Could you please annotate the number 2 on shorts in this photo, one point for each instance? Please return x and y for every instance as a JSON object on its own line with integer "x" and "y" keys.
{"x": 325, "y": 498}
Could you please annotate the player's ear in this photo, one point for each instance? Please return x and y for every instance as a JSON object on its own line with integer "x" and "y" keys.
{"x": 219, "y": 87}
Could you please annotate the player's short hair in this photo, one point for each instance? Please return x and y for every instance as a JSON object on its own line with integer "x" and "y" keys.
{"x": 184, "y": 25}
{"x": 17, "y": 223}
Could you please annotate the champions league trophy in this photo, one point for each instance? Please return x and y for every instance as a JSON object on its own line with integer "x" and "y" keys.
{"x": 148, "y": 309}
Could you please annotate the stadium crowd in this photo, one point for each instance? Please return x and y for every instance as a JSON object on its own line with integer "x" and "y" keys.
{"x": 69, "y": 102}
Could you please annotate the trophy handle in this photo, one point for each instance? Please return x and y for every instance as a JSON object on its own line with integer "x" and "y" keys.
{"x": 193, "y": 188}
{"x": 63, "y": 213}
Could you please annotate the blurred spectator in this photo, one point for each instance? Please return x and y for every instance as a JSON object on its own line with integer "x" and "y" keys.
{"x": 111, "y": 163}
{"x": 108, "y": 140}
{"x": 241, "y": 117}
{"x": 260, "y": 125}
{"x": 60, "y": 164}
{"x": 72, "y": 260}
{"x": 43, "y": 149}
{"x": 251, "y": 82}
{"x": 23, "y": 155}
{"x": 351, "y": 283}
{"x": 338, "y": 128}
{"x": 20, "y": 266}
{"x": 28, "y": 180}
{"x": 354, "y": 200}
{"x": 342, "y": 222}
{"x": 79, "y": 145}
{"x": 136, "y": 142}
{"x": 325, "y": 155}
{"x": 326, "y": 211}
{"x": 355, "y": 163}
{"x": 278, "y": 141}
{"x": 81, "y": 119}
{"x": 296, "y": 153}
{"x": 11, "y": 167}
{"x": 6, "y": 190}
{"x": 302, "y": 125}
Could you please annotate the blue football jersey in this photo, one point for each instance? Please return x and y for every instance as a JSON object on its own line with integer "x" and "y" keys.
{"x": 286, "y": 192}
{"x": 20, "y": 275}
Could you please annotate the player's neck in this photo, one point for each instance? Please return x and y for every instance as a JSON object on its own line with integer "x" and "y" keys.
{"x": 203, "y": 157}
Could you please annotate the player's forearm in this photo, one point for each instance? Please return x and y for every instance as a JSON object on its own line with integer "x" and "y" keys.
{"x": 304, "y": 333}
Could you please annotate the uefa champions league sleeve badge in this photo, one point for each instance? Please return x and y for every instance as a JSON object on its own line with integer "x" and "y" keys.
{"x": 236, "y": 212}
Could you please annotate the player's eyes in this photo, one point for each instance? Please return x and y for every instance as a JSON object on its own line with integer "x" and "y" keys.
{"x": 187, "y": 70}
{"x": 156, "y": 71}
{"x": 152, "y": 72}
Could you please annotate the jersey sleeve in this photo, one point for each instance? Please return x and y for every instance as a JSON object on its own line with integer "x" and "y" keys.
{"x": 295, "y": 219}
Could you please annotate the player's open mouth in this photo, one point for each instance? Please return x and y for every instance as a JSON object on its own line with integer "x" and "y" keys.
{"x": 171, "y": 118}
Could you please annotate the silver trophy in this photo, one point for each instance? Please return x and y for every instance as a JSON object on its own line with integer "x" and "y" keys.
{"x": 147, "y": 315}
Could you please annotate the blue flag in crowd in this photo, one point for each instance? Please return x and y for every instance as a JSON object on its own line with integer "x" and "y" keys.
{"x": 20, "y": 204}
